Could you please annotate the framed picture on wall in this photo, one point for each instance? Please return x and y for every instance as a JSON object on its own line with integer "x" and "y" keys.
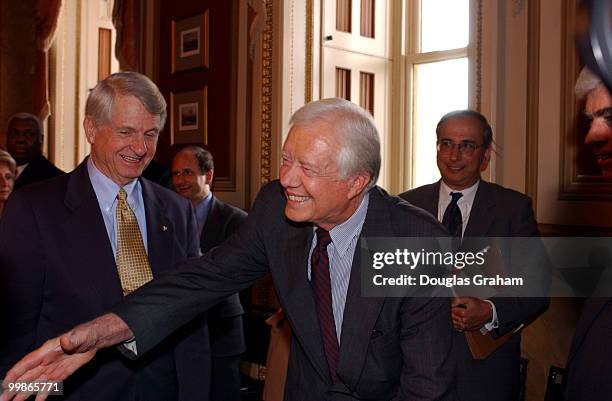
{"x": 189, "y": 117}
{"x": 190, "y": 43}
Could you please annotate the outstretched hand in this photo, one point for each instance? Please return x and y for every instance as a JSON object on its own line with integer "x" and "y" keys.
{"x": 49, "y": 363}
{"x": 61, "y": 356}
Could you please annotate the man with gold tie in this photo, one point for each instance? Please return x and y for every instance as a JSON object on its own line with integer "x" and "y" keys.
{"x": 72, "y": 247}
{"x": 304, "y": 230}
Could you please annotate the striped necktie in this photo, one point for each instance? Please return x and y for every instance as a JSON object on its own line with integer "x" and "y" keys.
{"x": 321, "y": 289}
{"x": 132, "y": 262}
{"x": 452, "y": 219}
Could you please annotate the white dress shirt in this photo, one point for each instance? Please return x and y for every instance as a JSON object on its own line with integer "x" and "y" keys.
{"x": 465, "y": 206}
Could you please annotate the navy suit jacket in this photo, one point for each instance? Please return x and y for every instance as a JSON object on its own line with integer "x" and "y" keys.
{"x": 226, "y": 339}
{"x": 57, "y": 269}
{"x": 496, "y": 212}
{"x": 590, "y": 359}
{"x": 390, "y": 348}
{"x": 39, "y": 169}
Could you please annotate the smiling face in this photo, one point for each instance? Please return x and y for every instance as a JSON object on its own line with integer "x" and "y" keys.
{"x": 458, "y": 169}
{"x": 123, "y": 147}
{"x": 188, "y": 179}
{"x": 598, "y": 110}
{"x": 309, "y": 175}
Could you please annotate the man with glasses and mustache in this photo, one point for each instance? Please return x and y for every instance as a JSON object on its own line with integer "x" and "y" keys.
{"x": 471, "y": 207}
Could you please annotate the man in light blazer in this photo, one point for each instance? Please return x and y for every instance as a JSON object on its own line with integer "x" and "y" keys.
{"x": 192, "y": 175}
{"x": 62, "y": 247}
{"x": 464, "y": 142}
{"x": 304, "y": 230}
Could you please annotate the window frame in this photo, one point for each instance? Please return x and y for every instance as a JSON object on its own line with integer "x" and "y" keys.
{"x": 411, "y": 56}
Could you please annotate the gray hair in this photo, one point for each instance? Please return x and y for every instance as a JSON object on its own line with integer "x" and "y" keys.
{"x": 586, "y": 82}
{"x": 99, "y": 104}
{"x": 6, "y": 158}
{"x": 360, "y": 140}
{"x": 27, "y": 117}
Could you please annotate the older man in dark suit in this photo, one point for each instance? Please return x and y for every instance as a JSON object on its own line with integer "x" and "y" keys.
{"x": 72, "y": 247}
{"x": 590, "y": 358}
{"x": 24, "y": 143}
{"x": 304, "y": 230}
{"x": 471, "y": 207}
{"x": 192, "y": 175}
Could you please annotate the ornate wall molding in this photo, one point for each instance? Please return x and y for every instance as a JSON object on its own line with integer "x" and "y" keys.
{"x": 533, "y": 97}
{"x": 478, "y": 61}
{"x": 266, "y": 97}
{"x": 309, "y": 58}
{"x": 78, "y": 139}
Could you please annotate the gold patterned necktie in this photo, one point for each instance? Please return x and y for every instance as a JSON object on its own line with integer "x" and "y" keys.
{"x": 132, "y": 262}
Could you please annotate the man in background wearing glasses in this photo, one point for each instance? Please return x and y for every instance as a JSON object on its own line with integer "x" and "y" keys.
{"x": 471, "y": 207}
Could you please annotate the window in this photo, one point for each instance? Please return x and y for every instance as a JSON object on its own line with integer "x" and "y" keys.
{"x": 437, "y": 62}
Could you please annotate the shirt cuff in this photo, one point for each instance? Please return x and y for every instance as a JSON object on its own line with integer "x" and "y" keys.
{"x": 130, "y": 345}
{"x": 494, "y": 323}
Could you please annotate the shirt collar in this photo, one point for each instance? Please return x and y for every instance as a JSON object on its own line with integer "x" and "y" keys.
{"x": 343, "y": 234}
{"x": 206, "y": 201}
{"x": 203, "y": 207}
{"x": 106, "y": 189}
{"x": 468, "y": 193}
{"x": 21, "y": 168}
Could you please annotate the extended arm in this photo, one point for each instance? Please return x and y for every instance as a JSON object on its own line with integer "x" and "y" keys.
{"x": 159, "y": 307}
{"x": 61, "y": 356}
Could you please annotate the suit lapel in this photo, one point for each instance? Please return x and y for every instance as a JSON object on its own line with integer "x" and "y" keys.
{"x": 482, "y": 213}
{"x": 159, "y": 229}
{"x": 210, "y": 236}
{"x": 431, "y": 199}
{"x": 360, "y": 313}
{"x": 297, "y": 298}
{"x": 87, "y": 242}
{"x": 28, "y": 175}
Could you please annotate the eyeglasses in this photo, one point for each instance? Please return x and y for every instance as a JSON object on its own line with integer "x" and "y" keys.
{"x": 184, "y": 173}
{"x": 466, "y": 148}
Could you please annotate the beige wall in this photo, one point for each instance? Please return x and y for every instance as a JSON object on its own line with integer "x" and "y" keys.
{"x": 503, "y": 90}
{"x": 73, "y": 71}
{"x": 503, "y": 84}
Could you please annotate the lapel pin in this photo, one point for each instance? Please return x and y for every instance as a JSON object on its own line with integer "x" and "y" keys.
{"x": 164, "y": 228}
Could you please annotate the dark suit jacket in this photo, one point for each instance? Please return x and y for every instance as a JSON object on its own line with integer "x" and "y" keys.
{"x": 224, "y": 320}
{"x": 390, "y": 348}
{"x": 57, "y": 269}
{"x": 39, "y": 169}
{"x": 496, "y": 212}
{"x": 589, "y": 362}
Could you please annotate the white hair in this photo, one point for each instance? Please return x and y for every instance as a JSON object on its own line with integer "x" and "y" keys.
{"x": 586, "y": 82}
{"x": 360, "y": 143}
